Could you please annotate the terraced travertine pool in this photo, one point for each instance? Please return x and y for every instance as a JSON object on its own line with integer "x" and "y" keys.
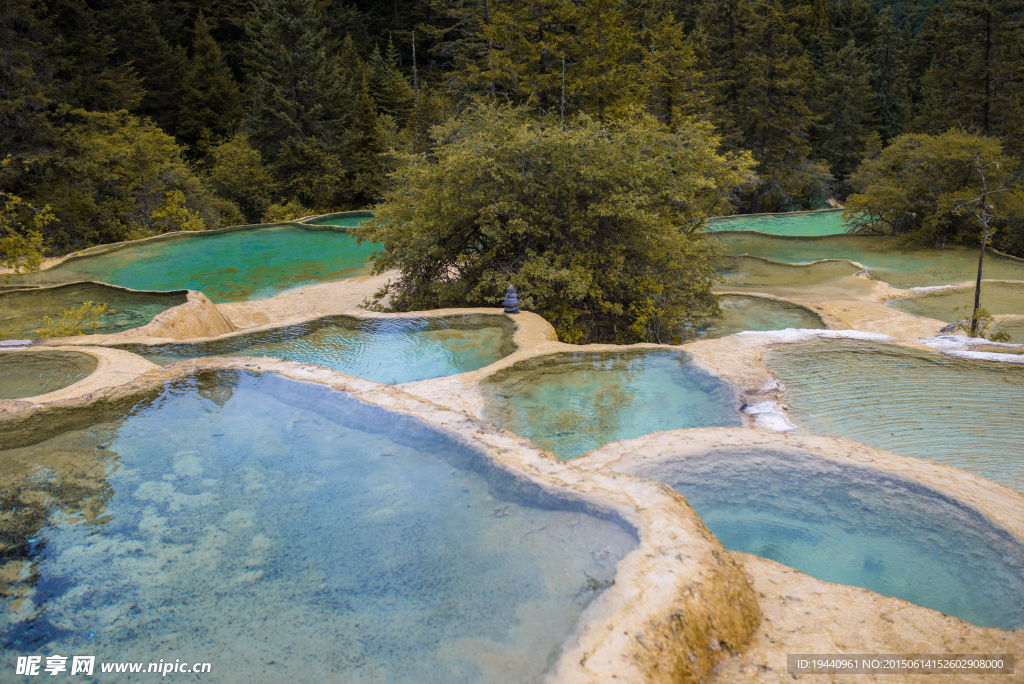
{"x": 823, "y": 279}
{"x": 31, "y": 373}
{"x": 389, "y": 350}
{"x": 915, "y": 403}
{"x": 821, "y": 222}
{"x": 227, "y": 266}
{"x": 22, "y": 311}
{"x": 956, "y": 304}
{"x": 853, "y": 525}
{"x": 740, "y": 313}
{"x": 885, "y": 258}
{"x": 285, "y": 531}
{"x": 570, "y": 403}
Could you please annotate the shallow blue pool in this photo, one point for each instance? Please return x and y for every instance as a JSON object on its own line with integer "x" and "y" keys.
{"x": 571, "y": 403}
{"x": 282, "y": 531}
{"x": 854, "y": 525}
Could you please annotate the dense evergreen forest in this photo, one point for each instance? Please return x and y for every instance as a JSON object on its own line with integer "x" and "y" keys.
{"x": 124, "y": 118}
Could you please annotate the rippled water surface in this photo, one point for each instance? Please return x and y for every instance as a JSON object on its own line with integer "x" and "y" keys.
{"x": 741, "y": 313}
{"x": 823, "y": 222}
{"x": 857, "y": 526}
{"x": 915, "y": 403}
{"x": 572, "y": 403}
{"x": 391, "y": 350}
{"x": 284, "y": 532}
{"x": 226, "y": 266}
{"x": 885, "y": 258}
{"x": 22, "y": 311}
{"x": 958, "y": 303}
{"x": 31, "y": 373}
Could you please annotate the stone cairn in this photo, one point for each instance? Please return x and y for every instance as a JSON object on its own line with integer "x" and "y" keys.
{"x": 511, "y": 302}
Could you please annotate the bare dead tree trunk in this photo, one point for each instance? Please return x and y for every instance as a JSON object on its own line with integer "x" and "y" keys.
{"x": 984, "y": 239}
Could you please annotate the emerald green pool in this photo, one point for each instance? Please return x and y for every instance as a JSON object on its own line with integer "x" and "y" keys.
{"x": 741, "y": 313}
{"x": 227, "y": 266}
{"x": 821, "y": 222}
{"x": 1014, "y": 327}
{"x": 832, "y": 279}
{"x": 31, "y": 373}
{"x": 996, "y": 297}
{"x": 853, "y": 525}
{"x": 966, "y": 414}
{"x": 285, "y": 532}
{"x": 389, "y": 350}
{"x": 571, "y": 403}
{"x": 346, "y": 219}
{"x": 884, "y": 257}
{"x": 22, "y": 311}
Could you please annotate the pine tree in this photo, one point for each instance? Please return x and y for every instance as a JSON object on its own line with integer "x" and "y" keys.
{"x": 973, "y": 77}
{"x": 603, "y": 81}
{"x": 388, "y": 85}
{"x": 889, "y": 81}
{"x": 210, "y": 101}
{"x": 774, "y": 78}
{"x": 301, "y": 102}
{"x": 841, "y": 133}
{"x": 673, "y": 84}
{"x": 716, "y": 44}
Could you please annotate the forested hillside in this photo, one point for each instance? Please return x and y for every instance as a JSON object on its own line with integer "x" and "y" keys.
{"x": 132, "y": 117}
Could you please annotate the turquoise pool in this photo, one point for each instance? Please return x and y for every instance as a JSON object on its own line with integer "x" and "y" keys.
{"x": 390, "y": 350}
{"x": 853, "y": 525}
{"x": 884, "y": 257}
{"x": 740, "y": 313}
{"x": 821, "y": 222}
{"x": 916, "y": 403}
{"x": 571, "y": 403}
{"x": 282, "y": 531}
{"x": 227, "y": 266}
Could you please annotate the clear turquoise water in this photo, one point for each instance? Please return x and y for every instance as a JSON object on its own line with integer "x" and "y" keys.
{"x": 855, "y": 526}
{"x": 31, "y": 373}
{"x": 572, "y": 403}
{"x": 390, "y": 350}
{"x": 285, "y": 532}
{"x": 346, "y": 221}
{"x": 741, "y": 313}
{"x": 957, "y": 304}
{"x": 822, "y": 222}
{"x": 227, "y": 267}
{"x": 915, "y": 403}
{"x": 884, "y": 258}
{"x": 22, "y": 311}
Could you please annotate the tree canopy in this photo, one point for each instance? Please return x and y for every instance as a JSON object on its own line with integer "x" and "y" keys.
{"x": 598, "y": 226}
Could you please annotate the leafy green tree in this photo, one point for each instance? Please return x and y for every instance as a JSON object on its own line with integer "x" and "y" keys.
{"x": 210, "y": 102}
{"x": 236, "y": 172}
{"x": 922, "y": 187}
{"x": 21, "y": 233}
{"x": 600, "y": 228}
{"x": 110, "y": 173}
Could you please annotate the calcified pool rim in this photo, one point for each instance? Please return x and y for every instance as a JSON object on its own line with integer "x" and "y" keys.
{"x": 678, "y": 597}
{"x": 995, "y": 502}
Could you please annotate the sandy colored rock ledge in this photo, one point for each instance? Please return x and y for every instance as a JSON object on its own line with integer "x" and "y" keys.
{"x": 804, "y": 615}
{"x": 680, "y": 602}
{"x": 113, "y": 368}
{"x": 198, "y": 317}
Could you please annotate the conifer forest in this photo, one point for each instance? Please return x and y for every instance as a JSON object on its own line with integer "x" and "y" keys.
{"x": 121, "y": 119}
